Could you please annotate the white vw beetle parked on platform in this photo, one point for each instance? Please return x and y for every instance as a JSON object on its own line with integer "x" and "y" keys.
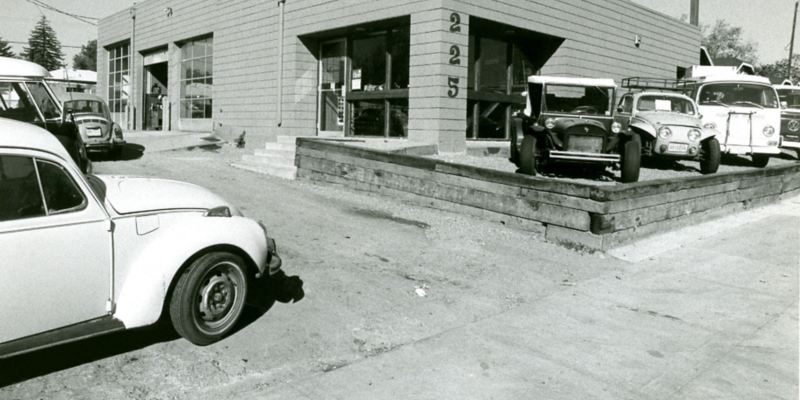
{"x": 85, "y": 255}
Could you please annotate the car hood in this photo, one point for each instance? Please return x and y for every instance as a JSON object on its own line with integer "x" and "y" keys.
{"x": 138, "y": 194}
{"x": 669, "y": 118}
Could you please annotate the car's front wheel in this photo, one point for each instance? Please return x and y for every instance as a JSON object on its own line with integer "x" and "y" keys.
{"x": 527, "y": 155}
{"x": 631, "y": 159}
{"x": 209, "y": 298}
{"x": 709, "y": 164}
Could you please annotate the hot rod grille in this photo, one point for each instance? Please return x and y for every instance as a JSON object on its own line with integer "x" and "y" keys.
{"x": 585, "y": 144}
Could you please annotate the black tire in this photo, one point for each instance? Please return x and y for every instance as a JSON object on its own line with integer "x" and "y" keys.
{"x": 709, "y": 164}
{"x": 209, "y": 298}
{"x": 513, "y": 151}
{"x": 631, "y": 159}
{"x": 527, "y": 155}
{"x": 760, "y": 160}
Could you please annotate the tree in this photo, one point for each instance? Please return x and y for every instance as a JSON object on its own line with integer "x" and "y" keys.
{"x": 5, "y": 49}
{"x": 87, "y": 58}
{"x": 43, "y": 46}
{"x": 776, "y": 72}
{"x": 724, "y": 40}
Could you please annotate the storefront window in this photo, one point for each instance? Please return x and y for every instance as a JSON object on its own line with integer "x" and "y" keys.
{"x": 118, "y": 78}
{"x": 378, "y": 90}
{"x": 497, "y": 74}
{"x": 197, "y": 79}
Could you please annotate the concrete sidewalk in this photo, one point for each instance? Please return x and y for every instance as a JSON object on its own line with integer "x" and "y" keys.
{"x": 713, "y": 316}
{"x": 157, "y": 141}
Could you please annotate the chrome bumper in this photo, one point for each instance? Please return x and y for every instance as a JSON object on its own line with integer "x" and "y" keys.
{"x": 583, "y": 157}
{"x": 274, "y": 261}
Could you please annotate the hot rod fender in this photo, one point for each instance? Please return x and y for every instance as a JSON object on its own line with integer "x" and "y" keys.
{"x": 142, "y": 295}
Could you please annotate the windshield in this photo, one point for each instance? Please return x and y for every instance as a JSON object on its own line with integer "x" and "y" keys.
{"x": 17, "y": 103}
{"x": 84, "y": 106}
{"x": 665, "y": 103}
{"x": 590, "y": 100}
{"x": 738, "y": 94}
{"x": 790, "y": 96}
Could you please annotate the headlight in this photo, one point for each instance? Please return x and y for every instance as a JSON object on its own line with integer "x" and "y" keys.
{"x": 664, "y": 132}
{"x": 616, "y": 127}
{"x": 693, "y": 135}
{"x": 550, "y": 123}
{"x": 769, "y": 131}
{"x": 710, "y": 125}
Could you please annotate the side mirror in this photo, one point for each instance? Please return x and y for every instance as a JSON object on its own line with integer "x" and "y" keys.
{"x": 699, "y": 115}
{"x": 619, "y": 109}
{"x": 784, "y": 104}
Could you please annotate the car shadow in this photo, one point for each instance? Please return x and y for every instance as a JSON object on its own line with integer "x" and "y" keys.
{"x": 578, "y": 171}
{"x": 665, "y": 164}
{"x": 278, "y": 288}
{"x": 130, "y": 151}
{"x": 736, "y": 160}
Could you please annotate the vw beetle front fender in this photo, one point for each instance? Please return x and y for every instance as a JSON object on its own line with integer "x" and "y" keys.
{"x": 141, "y": 296}
{"x": 643, "y": 127}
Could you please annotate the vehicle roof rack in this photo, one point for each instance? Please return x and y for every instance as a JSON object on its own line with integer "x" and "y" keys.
{"x": 654, "y": 84}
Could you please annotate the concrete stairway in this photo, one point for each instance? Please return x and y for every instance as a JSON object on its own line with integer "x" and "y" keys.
{"x": 276, "y": 159}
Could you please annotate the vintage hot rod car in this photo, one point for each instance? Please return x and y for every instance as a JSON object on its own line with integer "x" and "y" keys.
{"x": 669, "y": 126}
{"x": 570, "y": 120}
{"x": 85, "y": 255}
{"x": 25, "y": 96}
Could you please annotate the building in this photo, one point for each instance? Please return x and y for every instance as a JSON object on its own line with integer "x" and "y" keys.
{"x": 433, "y": 71}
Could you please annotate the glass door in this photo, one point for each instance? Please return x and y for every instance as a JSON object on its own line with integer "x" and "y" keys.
{"x": 332, "y": 88}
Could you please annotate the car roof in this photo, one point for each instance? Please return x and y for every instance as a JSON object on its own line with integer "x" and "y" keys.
{"x": 20, "y": 68}
{"x": 790, "y": 87}
{"x": 732, "y": 78}
{"x": 18, "y": 134}
{"x": 566, "y": 80}
{"x": 663, "y": 94}
{"x": 67, "y": 96}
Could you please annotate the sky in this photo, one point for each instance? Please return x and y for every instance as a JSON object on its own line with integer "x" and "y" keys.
{"x": 767, "y": 23}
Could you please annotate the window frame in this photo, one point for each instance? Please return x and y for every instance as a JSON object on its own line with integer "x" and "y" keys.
{"x": 207, "y": 58}
{"x": 118, "y": 54}
{"x": 84, "y": 200}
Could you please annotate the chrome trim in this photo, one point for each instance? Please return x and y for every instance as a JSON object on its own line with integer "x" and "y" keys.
{"x": 580, "y": 156}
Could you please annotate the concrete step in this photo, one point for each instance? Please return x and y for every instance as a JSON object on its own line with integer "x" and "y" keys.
{"x": 279, "y": 156}
{"x": 276, "y": 170}
{"x": 289, "y": 139}
{"x": 279, "y": 146}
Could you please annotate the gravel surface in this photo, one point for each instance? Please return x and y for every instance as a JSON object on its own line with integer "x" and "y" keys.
{"x": 650, "y": 170}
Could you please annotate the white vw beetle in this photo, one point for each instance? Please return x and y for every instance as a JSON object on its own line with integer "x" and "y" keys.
{"x": 86, "y": 255}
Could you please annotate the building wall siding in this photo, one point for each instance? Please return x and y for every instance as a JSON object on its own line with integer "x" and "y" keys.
{"x": 599, "y": 42}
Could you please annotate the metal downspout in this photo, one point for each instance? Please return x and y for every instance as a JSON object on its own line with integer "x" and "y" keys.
{"x": 281, "y": 4}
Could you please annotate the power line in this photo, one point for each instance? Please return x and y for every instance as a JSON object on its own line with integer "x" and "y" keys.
{"x": 63, "y": 45}
{"x": 82, "y": 18}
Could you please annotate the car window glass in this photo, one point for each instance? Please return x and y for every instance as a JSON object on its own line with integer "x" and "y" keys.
{"x": 627, "y": 104}
{"x": 16, "y": 103}
{"x": 591, "y": 100}
{"x": 84, "y": 106}
{"x": 61, "y": 194}
{"x": 19, "y": 189}
{"x": 738, "y": 94}
{"x": 44, "y": 101}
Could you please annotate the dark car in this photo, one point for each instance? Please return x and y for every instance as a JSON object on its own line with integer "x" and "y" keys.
{"x": 100, "y": 133}
{"x": 26, "y": 97}
{"x": 570, "y": 121}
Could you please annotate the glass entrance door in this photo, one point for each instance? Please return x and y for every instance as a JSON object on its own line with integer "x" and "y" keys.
{"x": 332, "y": 88}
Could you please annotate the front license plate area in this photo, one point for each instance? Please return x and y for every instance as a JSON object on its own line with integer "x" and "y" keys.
{"x": 586, "y": 144}
{"x": 677, "y": 147}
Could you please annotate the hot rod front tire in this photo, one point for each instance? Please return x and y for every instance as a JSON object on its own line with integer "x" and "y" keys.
{"x": 631, "y": 160}
{"x": 209, "y": 298}
{"x": 709, "y": 164}
{"x": 527, "y": 155}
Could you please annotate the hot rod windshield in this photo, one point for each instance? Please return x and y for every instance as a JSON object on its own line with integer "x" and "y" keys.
{"x": 665, "y": 103}
{"x": 738, "y": 94}
{"x": 591, "y": 100}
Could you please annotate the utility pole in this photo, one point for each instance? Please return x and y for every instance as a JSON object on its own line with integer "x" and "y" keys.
{"x": 791, "y": 43}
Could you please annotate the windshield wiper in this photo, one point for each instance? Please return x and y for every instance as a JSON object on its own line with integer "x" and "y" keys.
{"x": 748, "y": 103}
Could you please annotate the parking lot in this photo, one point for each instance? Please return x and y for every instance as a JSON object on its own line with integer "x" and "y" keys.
{"x": 402, "y": 301}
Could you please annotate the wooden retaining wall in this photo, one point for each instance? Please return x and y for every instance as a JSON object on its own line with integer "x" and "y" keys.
{"x": 572, "y": 214}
